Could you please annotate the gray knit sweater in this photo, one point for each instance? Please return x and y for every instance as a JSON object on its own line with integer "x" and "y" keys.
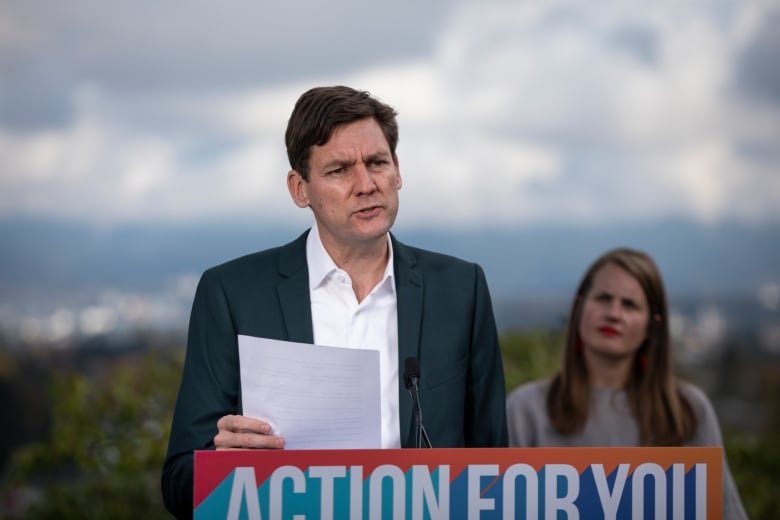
{"x": 610, "y": 423}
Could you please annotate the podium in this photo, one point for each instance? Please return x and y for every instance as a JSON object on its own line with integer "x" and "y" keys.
{"x": 467, "y": 483}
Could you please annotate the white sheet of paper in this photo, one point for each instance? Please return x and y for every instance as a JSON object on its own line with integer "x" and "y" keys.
{"x": 315, "y": 397}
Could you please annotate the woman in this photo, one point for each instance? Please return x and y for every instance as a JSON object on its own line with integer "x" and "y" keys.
{"x": 616, "y": 386}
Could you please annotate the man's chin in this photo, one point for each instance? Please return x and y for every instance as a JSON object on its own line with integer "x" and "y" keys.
{"x": 373, "y": 228}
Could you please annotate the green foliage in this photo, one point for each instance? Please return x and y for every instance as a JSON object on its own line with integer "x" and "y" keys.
{"x": 530, "y": 355}
{"x": 108, "y": 441}
{"x": 755, "y": 465}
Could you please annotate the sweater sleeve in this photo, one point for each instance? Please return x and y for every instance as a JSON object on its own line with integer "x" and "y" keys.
{"x": 526, "y": 413}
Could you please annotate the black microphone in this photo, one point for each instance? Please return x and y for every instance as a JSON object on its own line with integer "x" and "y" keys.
{"x": 412, "y": 383}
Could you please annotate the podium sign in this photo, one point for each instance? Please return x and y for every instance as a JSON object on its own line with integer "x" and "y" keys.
{"x": 471, "y": 483}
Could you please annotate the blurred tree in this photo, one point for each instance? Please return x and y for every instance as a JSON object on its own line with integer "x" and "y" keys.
{"x": 755, "y": 464}
{"x": 24, "y": 405}
{"x": 108, "y": 440}
{"x": 530, "y": 355}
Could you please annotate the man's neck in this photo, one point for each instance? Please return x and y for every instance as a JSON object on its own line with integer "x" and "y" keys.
{"x": 365, "y": 265}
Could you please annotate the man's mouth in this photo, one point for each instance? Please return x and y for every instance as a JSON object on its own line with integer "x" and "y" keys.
{"x": 368, "y": 210}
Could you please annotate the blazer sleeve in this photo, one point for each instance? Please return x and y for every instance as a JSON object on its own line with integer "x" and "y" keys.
{"x": 209, "y": 390}
{"x": 462, "y": 379}
{"x": 485, "y": 420}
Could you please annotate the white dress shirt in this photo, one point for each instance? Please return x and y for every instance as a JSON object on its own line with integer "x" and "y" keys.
{"x": 338, "y": 320}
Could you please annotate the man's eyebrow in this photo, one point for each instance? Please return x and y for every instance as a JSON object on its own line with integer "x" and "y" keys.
{"x": 338, "y": 163}
{"x": 381, "y": 154}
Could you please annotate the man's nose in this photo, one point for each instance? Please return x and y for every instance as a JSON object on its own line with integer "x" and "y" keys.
{"x": 364, "y": 181}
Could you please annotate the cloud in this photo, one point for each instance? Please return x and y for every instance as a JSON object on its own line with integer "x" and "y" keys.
{"x": 200, "y": 45}
{"x": 510, "y": 113}
{"x": 758, "y": 77}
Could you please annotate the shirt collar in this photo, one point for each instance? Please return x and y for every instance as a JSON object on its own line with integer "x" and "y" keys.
{"x": 321, "y": 265}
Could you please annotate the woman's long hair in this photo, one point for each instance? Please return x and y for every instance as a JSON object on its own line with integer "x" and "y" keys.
{"x": 663, "y": 414}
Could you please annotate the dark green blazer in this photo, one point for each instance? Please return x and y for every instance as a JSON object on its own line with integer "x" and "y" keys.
{"x": 445, "y": 319}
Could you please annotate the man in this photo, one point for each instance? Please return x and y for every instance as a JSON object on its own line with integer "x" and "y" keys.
{"x": 345, "y": 282}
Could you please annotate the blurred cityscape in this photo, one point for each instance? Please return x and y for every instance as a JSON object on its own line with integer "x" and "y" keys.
{"x": 702, "y": 327}
{"x": 728, "y": 345}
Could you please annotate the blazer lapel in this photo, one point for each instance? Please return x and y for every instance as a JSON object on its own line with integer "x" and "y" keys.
{"x": 293, "y": 291}
{"x": 409, "y": 293}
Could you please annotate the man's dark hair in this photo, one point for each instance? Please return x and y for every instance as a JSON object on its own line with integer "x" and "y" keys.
{"x": 319, "y": 111}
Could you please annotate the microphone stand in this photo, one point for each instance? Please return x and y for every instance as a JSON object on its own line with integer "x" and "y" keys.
{"x": 414, "y": 391}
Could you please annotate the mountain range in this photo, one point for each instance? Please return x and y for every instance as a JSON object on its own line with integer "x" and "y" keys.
{"x": 42, "y": 260}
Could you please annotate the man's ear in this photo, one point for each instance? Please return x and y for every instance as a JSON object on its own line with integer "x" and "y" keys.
{"x": 297, "y": 187}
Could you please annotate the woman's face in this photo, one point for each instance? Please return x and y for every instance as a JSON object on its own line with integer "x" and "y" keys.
{"x": 615, "y": 314}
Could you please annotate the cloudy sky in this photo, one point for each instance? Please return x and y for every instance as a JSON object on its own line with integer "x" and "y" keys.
{"x": 511, "y": 113}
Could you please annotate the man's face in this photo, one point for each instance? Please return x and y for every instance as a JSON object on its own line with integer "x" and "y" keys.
{"x": 352, "y": 188}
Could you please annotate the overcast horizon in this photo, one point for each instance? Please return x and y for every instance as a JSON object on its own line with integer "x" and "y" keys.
{"x": 510, "y": 115}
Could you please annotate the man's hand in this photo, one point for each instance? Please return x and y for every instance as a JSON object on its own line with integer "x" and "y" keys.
{"x": 238, "y": 431}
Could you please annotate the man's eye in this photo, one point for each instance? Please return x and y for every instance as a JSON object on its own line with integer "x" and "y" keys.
{"x": 336, "y": 171}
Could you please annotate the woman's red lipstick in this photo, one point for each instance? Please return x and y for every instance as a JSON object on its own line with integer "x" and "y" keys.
{"x": 608, "y": 331}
